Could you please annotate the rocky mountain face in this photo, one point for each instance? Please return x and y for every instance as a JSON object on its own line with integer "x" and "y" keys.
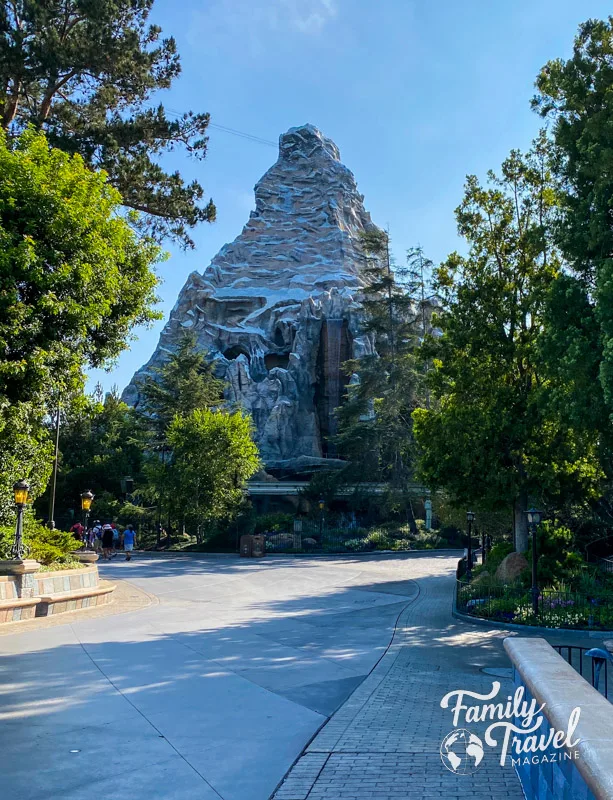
{"x": 278, "y": 309}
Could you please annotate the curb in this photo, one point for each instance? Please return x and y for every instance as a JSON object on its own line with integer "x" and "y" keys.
{"x": 195, "y": 554}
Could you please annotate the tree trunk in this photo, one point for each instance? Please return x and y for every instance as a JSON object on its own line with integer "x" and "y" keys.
{"x": 521, "y": 521}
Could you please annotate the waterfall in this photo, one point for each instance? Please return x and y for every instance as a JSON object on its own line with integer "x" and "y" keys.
{"x": 333, "y": 379}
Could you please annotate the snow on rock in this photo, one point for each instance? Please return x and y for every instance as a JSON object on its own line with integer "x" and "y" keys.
{"x": 278, "y": 308}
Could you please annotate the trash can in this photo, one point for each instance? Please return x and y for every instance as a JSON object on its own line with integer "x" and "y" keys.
{"x": 246, "y": 546}
{"x": 258, "y": 547}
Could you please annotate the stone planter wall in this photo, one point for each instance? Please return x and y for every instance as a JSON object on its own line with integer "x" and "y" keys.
{"x": 26, "y": 593}
{"x": 8, "y": 587}
{"x": 68, "y": 580}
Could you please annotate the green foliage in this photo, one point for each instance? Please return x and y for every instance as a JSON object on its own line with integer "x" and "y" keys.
{"x": 26, "y": 450}
{"x": 378, "y": 540}
{"x": 44, "y": 545}
{"x": 100, "y": 444}
{"x": 497, "y": 432}
{"x": 213, "y": 454}
{"x": 86, "y": 73}
{"x": 575, "y": 95}
{"x": 182, "y": 384}
{"x": 274, "y": 523}
{"x": 557, "y": 561}
{"x": 375, "y": 429}
{"x": 74, "y": 280}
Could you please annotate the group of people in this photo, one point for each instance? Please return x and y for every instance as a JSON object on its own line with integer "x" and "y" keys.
{"x": 106, "y": 539}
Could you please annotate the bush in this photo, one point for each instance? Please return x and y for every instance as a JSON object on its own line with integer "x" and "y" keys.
{"x": 355, "y": 544}
{"x": 497, "y": 555}
{"x": 274, "y": 523}
{"x": 378, "y": 540}
{"x": 42, "y": 544}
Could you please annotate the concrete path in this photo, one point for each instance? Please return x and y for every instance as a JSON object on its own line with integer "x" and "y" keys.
{"x": 384, "y": 743}
{"x": 215, "y": 691}
{"x": 212, "y": 693}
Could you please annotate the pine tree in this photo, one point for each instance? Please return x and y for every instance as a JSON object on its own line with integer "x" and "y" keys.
{"x": 375, "y": 422}
{"x": 182, "y": 384}
{"x": 85, "y": 71}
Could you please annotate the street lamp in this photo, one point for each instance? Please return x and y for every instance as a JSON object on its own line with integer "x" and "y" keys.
{"x": 20, "y": 493}
{"x": 534, "y": 520}
{"x": 87, "y": 498}
{"x": 322, "y": 505}
{"x": 470, "y": 518}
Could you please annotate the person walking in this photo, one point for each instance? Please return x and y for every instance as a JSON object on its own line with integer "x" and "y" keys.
{"x": 116, "y": 539}
{"x": 107, "y": 540}
{"x": 129, "y": 541}
{"x": 97, "y": 536}
{"x": 78, "y": 532}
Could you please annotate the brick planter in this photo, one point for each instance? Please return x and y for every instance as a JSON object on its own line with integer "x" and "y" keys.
{"x": 26, "y": 593}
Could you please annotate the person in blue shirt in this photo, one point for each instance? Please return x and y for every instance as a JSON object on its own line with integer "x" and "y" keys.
{"x": 129, "y": 541}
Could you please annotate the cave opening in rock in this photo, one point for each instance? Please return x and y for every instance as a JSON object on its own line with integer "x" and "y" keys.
{"x": 234, "y": 352}
{"x": 272, "y": 360}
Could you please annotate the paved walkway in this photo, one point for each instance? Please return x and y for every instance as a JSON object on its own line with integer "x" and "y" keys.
{"x": 384, "y": 743}
{"x": 211, "y": 693}
{"x": 215, "y": 690}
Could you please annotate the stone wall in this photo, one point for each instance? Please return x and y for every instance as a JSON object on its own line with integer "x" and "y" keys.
{"x": 50, "y": 583}
{"x": 585, "y": 771}
{"x": 27, "y": 593}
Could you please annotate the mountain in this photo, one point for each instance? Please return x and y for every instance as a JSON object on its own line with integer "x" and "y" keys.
{"x": 278, "y": 308}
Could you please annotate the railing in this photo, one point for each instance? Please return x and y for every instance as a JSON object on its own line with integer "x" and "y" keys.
{"x": 578, "y": 769}
{"x": 513, "y": 604}
{"x": 606, "y": 564}
{"x": 588, "y": 667}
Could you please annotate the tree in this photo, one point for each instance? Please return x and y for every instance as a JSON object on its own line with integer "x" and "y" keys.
{"x": 182, "y": 384}
{"x": 375, "y": 422}
{"x": 100, "y": 444}
{"x": 86, "y": 71}
{"x": 74, "y": 278}
{"x": 497, "y": 434}
{"x": 25, "y": 451}
{"x": 576, "y": 96}
{"x": 213, "y": 454}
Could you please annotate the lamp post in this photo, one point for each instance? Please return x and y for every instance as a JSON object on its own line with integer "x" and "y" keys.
{"x": 87, "y": 498}
{"x": 534, "y": 520}
{"x": 20, "y": 493}
{"x": 322, "y": 505}
{"x": 470, "y": 518}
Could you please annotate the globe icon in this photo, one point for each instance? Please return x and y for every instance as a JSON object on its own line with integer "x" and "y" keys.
{"x": 462, "y": 752}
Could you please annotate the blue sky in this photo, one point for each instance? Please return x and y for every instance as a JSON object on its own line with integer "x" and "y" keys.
{"x": 416, "y": 93}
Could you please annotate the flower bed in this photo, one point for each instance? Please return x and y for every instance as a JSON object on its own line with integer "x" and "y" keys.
{"x": 512, "y": 604}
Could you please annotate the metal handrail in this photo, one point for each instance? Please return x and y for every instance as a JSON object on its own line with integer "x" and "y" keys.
{"x": 587, "y": 667}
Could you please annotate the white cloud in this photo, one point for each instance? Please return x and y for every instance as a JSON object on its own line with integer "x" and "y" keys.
{"x": 252, "y": 21}
{"x": 307, "y": 16}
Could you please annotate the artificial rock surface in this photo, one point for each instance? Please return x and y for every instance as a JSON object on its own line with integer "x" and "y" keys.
{"x": 278, "y": 308}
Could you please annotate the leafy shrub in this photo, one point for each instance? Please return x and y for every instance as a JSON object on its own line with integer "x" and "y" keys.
{"x": 497, "y": 555}
{"x": 70, "y": 563}
{"x": 378, "y": 540}
{"x": 355, "y": 544}
{"x": 274, "y": 523}
{"x": 401, "y": 544}
{"x": 42, "y": 544}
